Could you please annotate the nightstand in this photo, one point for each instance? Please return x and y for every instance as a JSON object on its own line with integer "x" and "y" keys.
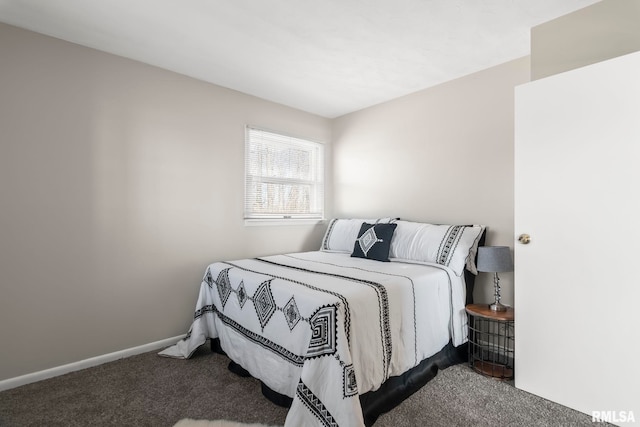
{"x": 491, "y": 335}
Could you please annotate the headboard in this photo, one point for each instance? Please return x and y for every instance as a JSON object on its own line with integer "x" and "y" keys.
{"x": 470, "y": 278}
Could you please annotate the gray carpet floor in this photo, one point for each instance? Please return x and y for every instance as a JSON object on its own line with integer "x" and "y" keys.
{"x": 148, "y": 390}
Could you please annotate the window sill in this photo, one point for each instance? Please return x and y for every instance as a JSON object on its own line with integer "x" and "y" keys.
{"x": 281, "y": 222}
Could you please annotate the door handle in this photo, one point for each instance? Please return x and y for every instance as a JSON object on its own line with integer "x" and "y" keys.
{"x": 524, "y": 239}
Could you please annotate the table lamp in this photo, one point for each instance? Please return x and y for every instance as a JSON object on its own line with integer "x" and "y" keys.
{"x": 495, "y": 259}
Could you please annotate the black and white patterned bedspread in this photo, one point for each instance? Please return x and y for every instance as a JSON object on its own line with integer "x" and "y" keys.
{"x": 323, "y": 328}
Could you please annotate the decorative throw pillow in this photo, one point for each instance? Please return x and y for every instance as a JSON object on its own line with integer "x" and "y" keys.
{"x": 341, "y": 233}
{"x": 374, "y": 241}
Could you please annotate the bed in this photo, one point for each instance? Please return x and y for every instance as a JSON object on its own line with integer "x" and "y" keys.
{"x": 344, "y": 333}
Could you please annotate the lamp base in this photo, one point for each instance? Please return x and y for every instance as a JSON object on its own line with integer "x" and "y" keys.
{"x": 497, "y": 307}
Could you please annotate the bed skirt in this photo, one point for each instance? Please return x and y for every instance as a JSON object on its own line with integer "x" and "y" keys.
{"x": 390, "y": 394}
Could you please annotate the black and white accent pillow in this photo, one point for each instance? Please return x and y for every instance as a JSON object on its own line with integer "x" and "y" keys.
{"x": 374, "y": 241}
{"x": 341, "y": 233}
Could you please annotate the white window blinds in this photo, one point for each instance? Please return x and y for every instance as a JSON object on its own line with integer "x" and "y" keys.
{"x": 284, "y": 177}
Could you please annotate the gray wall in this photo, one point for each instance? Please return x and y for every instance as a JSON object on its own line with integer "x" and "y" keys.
{"x": 119, "y": 183}
{"x": 441, "y": 155}
{"x": 602, "y": 31}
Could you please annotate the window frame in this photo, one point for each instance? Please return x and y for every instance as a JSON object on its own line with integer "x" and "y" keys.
{"x": 317, "y": 183}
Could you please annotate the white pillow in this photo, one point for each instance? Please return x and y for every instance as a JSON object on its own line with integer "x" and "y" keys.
{"x": 454, "y": 246}
{"x": 341, "y": 234}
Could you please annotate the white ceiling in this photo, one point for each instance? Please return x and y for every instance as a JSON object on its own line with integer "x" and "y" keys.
{"x": 328, "y": 57}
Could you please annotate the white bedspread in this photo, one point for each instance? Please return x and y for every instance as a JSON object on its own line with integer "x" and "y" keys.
{"x": 323, "y": 327}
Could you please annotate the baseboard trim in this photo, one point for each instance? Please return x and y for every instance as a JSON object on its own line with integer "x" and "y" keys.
{"x": 86, "y": 363}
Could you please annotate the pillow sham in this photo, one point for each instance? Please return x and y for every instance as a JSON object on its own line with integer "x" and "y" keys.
{"x": 374, "y": 241}
{"x": 342, "y": 233}
{"x": 454, "y": 246}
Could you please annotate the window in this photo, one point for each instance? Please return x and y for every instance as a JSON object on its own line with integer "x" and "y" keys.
{"x": 284, "y": 177}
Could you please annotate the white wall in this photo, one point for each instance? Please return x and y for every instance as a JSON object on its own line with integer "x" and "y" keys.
{"x": 441, "y": 155}
{"x": 119, "y": 183}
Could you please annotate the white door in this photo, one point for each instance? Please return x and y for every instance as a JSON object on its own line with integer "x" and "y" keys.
{"x": 577, "y": 194}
